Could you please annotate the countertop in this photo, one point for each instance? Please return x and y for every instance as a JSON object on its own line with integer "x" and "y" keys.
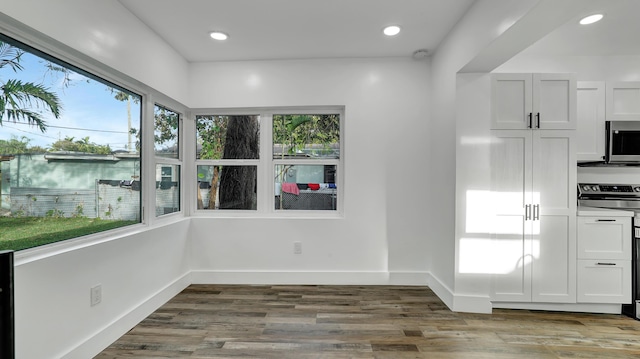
{"x": 592, "y": 211}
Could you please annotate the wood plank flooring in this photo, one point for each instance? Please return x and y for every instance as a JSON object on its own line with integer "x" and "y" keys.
{"x": 383, "y": 322}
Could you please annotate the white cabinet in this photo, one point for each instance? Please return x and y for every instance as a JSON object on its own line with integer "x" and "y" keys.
{"x": 604, "y": 259}
{"x": 545, "y": 101}
{"x": 590, "y": 111}
{"x": 533, "y": 179}
{"x": 623, "y": 100}
{"x": 604, "y": 281}
{"x": 604, "y": 237}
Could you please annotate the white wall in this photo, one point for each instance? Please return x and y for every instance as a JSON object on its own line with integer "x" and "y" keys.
{"x": 383, "y": 232}
{"x": 108, "y": 34}
{"x": 474, "y": 256}
{"x": 484, "y": 22}
{"x": 138, "y": 272}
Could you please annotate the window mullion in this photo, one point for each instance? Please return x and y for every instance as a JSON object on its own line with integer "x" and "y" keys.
{"x": 265, "y": 168}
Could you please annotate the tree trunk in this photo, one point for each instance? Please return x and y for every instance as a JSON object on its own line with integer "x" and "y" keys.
{"x": 214, "y": 187}
{"x": 200, "y": 203}
{"x": 238, "y": 183}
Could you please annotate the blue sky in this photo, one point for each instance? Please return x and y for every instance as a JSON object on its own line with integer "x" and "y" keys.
{"x": 88, "y": 109}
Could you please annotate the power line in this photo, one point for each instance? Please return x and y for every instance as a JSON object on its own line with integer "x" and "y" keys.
{"x": 31, "y": 133}
{"x": 73, "y": 128}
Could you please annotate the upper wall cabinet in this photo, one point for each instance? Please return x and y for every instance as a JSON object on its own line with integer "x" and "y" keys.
{"x": 623, "y": 100}
{"x": 536, "y": 101}
{"x": 591, "y": 120}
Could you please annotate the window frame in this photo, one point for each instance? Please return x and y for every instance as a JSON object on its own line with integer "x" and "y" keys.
{"x": 266, "y": 163}
{"x": 169, "y": 161}
{"x": 228, "y": 162}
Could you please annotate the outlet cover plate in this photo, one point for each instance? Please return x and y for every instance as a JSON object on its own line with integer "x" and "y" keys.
{"x": 96, "y": 295}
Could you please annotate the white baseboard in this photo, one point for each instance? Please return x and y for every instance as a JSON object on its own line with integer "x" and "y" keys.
{"x": 459, "y": 302}
{"x": 472, "y": 304}
{"x": 119, "y": 326}
{"x": 309, "y": 278}
{"x": 409, "y": 278}
{"x": 443, "y": 292}
{"x": 562, "y": 307}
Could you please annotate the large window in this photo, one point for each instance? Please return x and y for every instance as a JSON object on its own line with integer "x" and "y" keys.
{"x": 306, "y": 153}
{"x": 292, "y": 164}
{"x": 228, "y": 149}
{"x": 69, "y": 150}
{"x": 168, "y": 164}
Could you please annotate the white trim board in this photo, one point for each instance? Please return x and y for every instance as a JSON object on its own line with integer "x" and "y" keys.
{"x": 309, "y": 278}
{"x": 562, "y": 307}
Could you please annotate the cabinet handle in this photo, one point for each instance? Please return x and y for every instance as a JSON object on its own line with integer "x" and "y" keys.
{"x": 530, "y": 120}
{"x": 605, "y": 220}
{"x": 538, "y": 119}
{"x": 536, "y": 212}
{"x": 605, "y": 264}
{"x": 527, "y": 212}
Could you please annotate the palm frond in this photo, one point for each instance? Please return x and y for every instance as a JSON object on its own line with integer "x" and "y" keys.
{"x": 31, "y": 117}
{"x": 10, "y": 56}
{"x": 18, "y": 100}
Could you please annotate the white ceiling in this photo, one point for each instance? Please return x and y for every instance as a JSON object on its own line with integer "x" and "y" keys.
{"x": 301, "y": 29}
{"x": 616, "y": 34}
{"x": 298, "y": 29}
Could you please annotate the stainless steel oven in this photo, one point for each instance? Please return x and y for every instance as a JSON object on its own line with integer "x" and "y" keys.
{"x": 623, "y": 142}
{"x": 623, "y": 197}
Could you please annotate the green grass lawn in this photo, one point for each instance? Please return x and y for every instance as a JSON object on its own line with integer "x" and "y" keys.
{"x": 18, "y": 233}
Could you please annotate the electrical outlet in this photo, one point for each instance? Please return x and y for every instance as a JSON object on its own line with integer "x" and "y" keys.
{"x": 297, "y": 247}
{"x": 96, "y": 295}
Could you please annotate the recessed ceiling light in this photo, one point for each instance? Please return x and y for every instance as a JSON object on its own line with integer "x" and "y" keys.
{"x": 217, "y": 35}
{"x": 591, "y": 19}
{"x": 391, "y": 30}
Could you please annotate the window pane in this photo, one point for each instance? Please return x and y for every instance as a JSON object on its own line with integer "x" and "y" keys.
{"x": 306, "y": 136}
{"x": 227, "y": 187}
{"x": 167, "y": 189}
{"x": 166, "y": 132}
{"x": 305, "y": 187}
{"x": 69, "y": 157}
{"x": 227, "y": 137}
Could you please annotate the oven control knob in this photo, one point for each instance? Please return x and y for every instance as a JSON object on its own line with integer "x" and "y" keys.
{"x": 586, "y": 188}
{"x": 637, "y": 189}
{"x": 594, "y": 188}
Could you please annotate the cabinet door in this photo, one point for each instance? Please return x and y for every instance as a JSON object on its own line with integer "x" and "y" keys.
{"x": 554, "y": 101}
{"x": 590, "y": 112}
{"x": 604, "y": 238}
{"x": 511, "y": 97}
{"x": 623, "y": 100}
{"x": 604, "y": 281}
{"x": 553, "y": 237}
{"x": 511, "y": 191}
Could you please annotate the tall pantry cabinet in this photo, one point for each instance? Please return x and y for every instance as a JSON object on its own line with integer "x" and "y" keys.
{"x": 533, "y": 179}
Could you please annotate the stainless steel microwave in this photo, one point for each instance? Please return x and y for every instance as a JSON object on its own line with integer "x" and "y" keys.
{"x": 622, "y": 141}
